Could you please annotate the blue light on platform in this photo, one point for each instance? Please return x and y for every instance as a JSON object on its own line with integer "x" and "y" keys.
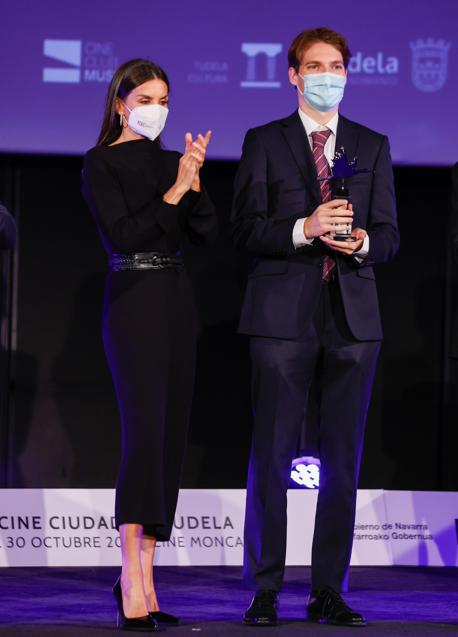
{"x": 305, "y": 473}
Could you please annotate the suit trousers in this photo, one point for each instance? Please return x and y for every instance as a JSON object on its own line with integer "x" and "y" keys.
{"x": 282, "y": 371}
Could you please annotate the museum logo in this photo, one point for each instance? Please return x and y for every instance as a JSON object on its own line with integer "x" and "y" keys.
{"x": 75, "y": 61}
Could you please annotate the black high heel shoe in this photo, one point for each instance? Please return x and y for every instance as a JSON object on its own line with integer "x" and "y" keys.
{"x": 146, "y": 624}
{"x": 164, "y": 618}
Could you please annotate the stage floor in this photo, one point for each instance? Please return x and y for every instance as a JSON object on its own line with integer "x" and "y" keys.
{"x": 407, "y": 602}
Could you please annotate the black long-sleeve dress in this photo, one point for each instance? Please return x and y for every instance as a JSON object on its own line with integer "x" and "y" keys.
{"x": 8, "y": 229}
{"x": 149, "y": 323}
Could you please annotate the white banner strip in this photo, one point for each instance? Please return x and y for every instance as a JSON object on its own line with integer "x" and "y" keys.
{"x": 75, "y": 527}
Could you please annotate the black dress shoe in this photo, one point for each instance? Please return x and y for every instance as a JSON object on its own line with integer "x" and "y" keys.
{"x": 164, "y": 618}
{"x": 262, "y": 610}
{"x": 144, "y": 624}
{"x": 328, "y": 606}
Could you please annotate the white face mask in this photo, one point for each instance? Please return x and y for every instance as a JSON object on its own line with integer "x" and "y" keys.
{"x": 147, "y": 120}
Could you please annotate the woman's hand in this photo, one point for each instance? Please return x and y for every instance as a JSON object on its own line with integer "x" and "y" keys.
{"x": 188, "y": 168}
{"x": 197, "y": 149}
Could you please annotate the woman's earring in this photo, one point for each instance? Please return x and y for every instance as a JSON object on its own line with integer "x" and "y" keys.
{"x": 120, "y": 120}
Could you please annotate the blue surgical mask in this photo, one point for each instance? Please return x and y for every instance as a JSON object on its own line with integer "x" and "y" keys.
{"x": 323, "y": 91}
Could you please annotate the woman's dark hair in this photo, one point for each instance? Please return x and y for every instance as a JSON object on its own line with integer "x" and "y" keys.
{"x": 129, "y": 75}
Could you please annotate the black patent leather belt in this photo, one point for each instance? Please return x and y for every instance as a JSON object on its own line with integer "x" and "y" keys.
{"x": 144, "y": 261}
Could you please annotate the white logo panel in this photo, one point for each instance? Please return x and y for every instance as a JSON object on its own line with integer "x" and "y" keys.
{"x": 67, "y": 51}
{"x": 93, "y": 61}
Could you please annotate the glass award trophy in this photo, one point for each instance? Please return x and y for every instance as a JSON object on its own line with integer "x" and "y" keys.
{"x": 342, "y": 170}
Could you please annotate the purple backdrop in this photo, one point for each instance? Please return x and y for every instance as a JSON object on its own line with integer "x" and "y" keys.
{"x": 228, "y": 69}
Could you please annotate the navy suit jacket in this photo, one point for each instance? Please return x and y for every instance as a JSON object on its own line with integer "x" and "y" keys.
{"x": 276, "y": 184}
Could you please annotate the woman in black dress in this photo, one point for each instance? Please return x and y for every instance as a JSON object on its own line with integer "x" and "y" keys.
{"x": 145, "y": 201}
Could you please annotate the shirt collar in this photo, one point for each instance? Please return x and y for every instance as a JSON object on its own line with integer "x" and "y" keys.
{"x": 311, "y": 126}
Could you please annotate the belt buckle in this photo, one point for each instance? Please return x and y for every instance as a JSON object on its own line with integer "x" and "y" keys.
{"x": 143, "y": 261}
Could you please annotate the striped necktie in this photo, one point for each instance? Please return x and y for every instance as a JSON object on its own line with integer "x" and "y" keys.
{"x": 319, "y": 139}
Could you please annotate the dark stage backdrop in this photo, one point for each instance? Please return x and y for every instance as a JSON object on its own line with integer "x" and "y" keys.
{"x": 62, "y": 429}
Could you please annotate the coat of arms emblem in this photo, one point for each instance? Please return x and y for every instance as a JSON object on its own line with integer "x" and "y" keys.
{"x": 429, "y": 64}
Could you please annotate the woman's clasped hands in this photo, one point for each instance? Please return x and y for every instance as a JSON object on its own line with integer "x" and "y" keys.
{"x": 189, "y": 166}
{"x": 193, "y": 159}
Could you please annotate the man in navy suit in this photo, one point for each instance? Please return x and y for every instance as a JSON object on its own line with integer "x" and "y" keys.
{"x": 311, "y": 311}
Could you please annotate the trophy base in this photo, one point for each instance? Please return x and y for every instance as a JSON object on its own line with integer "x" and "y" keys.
{"x": 344, "y": 237}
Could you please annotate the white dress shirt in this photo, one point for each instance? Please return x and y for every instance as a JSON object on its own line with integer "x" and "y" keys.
{"x": 311, "y": 126}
